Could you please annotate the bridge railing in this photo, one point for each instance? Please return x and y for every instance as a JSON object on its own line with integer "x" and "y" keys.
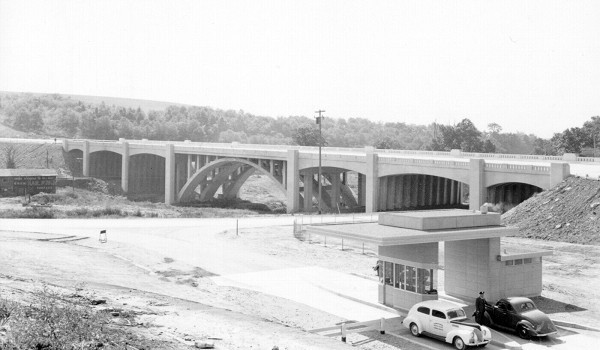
{"x": 413, "y": 152}
{"x": 425, "y": 162}
{"x": 588, "y": 160}
{"x": 520, "y": 168}
{"x": 512, "y": 156}
{"x": 567, "y": 157}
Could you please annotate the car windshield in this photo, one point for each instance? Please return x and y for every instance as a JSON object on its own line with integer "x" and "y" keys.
{"x": 525, "y": 306}
{"x": 456, "y": 313}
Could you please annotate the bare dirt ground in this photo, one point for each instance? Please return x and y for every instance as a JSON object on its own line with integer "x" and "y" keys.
{"x": 172, "y": 297}
{"x": 157, "y": 274}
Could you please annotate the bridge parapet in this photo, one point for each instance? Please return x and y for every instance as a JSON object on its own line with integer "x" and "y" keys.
{"x": 425, "y": 162}
{"x": 588, "y": 160}
{"x": 568, "y": 157}
{"x": 279, "y": 154}
{"x": 517, "y": 168}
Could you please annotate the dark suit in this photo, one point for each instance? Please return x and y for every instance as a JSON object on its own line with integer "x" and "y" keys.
{"x": 480, "y": 304}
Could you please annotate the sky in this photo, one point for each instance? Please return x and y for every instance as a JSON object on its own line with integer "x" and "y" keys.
{"x": 529, "y": 66}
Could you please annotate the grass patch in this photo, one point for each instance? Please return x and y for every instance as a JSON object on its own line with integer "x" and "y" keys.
{"x": 94, "y": 213}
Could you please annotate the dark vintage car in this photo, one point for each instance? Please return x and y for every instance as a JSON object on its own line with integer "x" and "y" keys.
{"x": 520, "y": 314}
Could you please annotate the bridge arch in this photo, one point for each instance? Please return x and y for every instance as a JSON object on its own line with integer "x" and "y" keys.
{"x": 74, "y": 160}
{"x": 146, "y": 176}
{"x": 226, "y": 173}
{"x": 105, "y": 165}
{"x": 418, "y": 191}
{"x": 452, "y": 174}
{"x": 337, "y": 194}
{"x": 526, "y": 180}
{"x": 510, "y": 194}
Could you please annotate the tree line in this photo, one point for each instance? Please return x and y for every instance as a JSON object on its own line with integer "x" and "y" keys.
{"x": 63, "y": 116}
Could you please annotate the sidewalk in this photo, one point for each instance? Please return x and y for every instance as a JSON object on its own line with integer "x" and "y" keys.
{"x": 347, "y": 296}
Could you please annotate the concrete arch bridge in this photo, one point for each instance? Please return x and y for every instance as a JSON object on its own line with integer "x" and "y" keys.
{"x": 353, "y": 178}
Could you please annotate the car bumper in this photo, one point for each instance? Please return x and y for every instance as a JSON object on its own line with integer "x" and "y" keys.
{"x": 481, "y": 343}
{"x": 543, "y": 334}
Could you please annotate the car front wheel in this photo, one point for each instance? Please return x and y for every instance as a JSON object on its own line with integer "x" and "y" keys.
{"x": 522, "y": 332}
{"x": 414, "y": 329}
{"x": 459, "y": 344}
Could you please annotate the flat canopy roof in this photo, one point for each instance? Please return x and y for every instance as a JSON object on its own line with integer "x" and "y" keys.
{"x": 388, "y": 235}
{"x": 439, "y": 219}
{"x": 511, "y": 251}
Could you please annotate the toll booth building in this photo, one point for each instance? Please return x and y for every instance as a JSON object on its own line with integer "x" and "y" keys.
{"x": 409, "y": 246}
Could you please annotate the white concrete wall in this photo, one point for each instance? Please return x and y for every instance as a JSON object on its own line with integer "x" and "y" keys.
{"x": 401, "y": 299}
{"x": 521, "y": 280}
{"x": 471, "y": 266}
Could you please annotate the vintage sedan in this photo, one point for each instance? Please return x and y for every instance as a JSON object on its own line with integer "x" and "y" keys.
{"x": 446, "y": 321}
{"x": 520, "y": 314}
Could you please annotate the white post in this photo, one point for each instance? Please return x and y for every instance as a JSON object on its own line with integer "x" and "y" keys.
{"x": 344, "y": 332}
{"x": 381, "y": 325}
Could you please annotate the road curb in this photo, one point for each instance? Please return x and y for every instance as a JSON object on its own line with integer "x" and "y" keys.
{"x": 575, "y": 325}
{"x": 512, "y": 345}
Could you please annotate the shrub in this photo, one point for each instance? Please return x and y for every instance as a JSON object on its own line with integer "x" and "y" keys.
{"x": 107, "y": 212}
{"x": 45, "y": 198}
{"x": 29, "y": 213}
{"x": 50, "y": 323}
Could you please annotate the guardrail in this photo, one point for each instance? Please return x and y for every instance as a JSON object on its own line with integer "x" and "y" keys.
{"x": 306, "y": 220}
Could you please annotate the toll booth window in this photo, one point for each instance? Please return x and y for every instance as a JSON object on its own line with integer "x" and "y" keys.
{"x": 509, "y": 262}
{"x": 527, "y": 261}
{"x": 424, "y": 280}
{"x": 422, "y": 276}
{"x": 411, "y": 278}
{"x": 518, "y": 261}
{"x": 399, "y": 276}
{"x": 389, "y": 273}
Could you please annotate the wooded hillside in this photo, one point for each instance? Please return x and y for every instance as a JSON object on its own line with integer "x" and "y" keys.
{"x": 57, "y": 115}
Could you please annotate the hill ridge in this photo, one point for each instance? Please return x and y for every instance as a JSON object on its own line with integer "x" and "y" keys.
{"x": 126, "y": 102}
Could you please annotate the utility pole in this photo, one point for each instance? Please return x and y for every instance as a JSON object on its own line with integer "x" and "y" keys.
{"x": 320, "y": 122}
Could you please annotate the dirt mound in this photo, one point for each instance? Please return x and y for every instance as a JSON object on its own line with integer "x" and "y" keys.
{"x": 569, "y": 212}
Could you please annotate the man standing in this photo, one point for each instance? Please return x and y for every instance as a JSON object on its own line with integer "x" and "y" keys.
{"x": 480, "y": 304}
